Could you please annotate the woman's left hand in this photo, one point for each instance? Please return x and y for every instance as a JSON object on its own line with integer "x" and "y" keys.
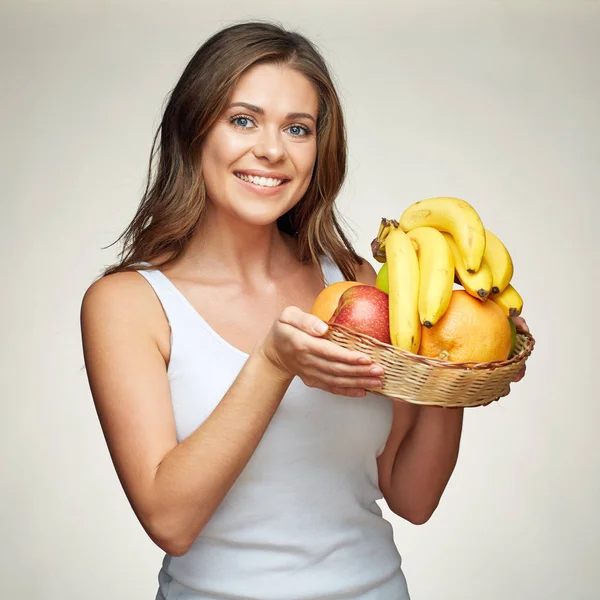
{"x": 521, "y": 325}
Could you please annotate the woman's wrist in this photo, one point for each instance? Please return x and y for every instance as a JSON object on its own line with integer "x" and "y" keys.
{"x": 269, "y": 368}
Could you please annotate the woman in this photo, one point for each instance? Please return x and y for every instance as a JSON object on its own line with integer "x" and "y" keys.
{"x": 246, "y": 444}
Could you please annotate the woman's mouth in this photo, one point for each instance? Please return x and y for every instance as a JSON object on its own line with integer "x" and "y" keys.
{"x": 268, "y": 182}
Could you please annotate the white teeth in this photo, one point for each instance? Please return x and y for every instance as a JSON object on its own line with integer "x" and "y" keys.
{"x": 263, "y": 181}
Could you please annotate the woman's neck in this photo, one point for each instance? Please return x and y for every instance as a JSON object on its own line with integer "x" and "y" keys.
{"x": 225, "y": 249}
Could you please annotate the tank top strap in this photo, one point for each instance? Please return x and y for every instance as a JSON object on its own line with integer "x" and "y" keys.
{"x": 163, "y": 288}
{"x": 331, "y": 272}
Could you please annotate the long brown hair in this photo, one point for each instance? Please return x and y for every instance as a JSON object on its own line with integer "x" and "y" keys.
{"x": 174, "y": 200}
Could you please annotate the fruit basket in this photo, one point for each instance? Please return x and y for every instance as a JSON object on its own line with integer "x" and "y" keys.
{"x": 432, "y": 381}
{"x": 417, "y": 326}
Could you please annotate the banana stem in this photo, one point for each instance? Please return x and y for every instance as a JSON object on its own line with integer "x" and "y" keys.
{"x": 375, "y": 250}
{"x": 381, "y": 226}
{"x": 378, "y": 244}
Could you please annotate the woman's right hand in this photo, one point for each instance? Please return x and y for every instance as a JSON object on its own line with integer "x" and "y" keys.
{"x": 295, "y": 347}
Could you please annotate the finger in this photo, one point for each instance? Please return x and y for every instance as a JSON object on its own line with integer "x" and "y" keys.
{"x": 349, "y": 382}
{"x": 350, "y": 392}
{"x": 292, "y": 315}
{"x": 333, "y": 352}
{"x": 520, "y": 324}
{"x": 343, "y": 369}
{"x": 520, "y": 374}
{"x": 307, "y": 345}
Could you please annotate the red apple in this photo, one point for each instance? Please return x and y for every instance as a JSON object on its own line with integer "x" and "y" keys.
{"x": 364, "y": 309}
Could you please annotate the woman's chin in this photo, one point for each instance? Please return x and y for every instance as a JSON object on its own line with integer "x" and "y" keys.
{"x": 263, "y": 220}
{"x": 259, "y": 214}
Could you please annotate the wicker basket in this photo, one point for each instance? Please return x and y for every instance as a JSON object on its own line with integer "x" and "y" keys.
{"x": 434, "y": 382}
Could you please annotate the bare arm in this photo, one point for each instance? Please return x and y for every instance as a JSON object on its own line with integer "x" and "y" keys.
{"x": 421, "y": 451}
{"x": 175, "y": 488}
{"x": 199, "y": 472}
{"x": 419, "y": 459}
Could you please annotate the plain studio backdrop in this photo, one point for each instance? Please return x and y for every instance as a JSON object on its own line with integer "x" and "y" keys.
{"x": 496, "y": 102}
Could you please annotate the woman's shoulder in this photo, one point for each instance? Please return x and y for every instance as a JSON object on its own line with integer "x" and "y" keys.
{"x": 123, "y": 297}
{"x": 116, "y": 287}
{"x": 365, "y": 273}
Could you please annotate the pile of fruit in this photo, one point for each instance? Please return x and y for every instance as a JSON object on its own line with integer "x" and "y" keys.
{"x": 444, "y": 289}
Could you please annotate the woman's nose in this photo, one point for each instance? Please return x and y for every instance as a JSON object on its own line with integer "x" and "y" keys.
{"x": 270, "y": 145}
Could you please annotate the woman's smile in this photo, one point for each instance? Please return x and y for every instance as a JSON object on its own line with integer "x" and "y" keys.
{"x": 262, "y": 182}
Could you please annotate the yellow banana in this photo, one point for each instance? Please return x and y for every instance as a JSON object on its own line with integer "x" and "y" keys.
{"x": 436, "y": 273}
{"x": 477, "y": 284}
{"x": 509, "y": 301}
{"x": 403, "y": 279}
{"x": 454, "y": 216}
{"x": 500, "y": 261}
{"x": 381, "y": 281}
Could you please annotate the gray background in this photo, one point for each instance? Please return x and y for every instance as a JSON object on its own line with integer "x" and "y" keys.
{"x": 495, "y": 102}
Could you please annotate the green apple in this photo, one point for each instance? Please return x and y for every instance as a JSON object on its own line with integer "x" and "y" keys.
{"x": 381, "y": 283}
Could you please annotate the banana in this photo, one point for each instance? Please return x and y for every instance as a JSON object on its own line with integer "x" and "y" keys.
{"x": 403, "y": 279}
{"x": 477, "y": 284}
{"x": 436, "y": 273}
{"x": 500, "y": 261}
{"x": 381, "y": 281}
{"x": 509, "y": 301}
{"x": 454, "y": 216}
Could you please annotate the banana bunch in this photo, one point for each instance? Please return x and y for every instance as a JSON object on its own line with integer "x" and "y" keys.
{"x": 438, "y": 242}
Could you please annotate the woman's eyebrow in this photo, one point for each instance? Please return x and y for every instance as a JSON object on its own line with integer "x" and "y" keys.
{"x": 260, "y": 111}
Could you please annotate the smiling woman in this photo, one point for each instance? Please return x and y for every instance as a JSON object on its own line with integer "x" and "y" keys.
{"x": 281, "y": 106}
{"x": 246, "y": 443}
{"x": 258, "y": 78}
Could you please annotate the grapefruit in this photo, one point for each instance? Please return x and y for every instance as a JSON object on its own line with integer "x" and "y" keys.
{"x": 469, "y": 331}
{"x": 327, "y": 301}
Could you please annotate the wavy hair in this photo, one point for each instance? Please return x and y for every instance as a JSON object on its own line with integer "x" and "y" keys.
{"x": 174, "y": 200}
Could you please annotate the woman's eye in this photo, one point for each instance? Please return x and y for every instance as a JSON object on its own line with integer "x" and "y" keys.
{"x": 242, "y": 122}
{"x": 298, "y": 130}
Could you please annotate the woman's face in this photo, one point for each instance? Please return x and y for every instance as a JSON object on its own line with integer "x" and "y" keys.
{"x": 258, "y": 158}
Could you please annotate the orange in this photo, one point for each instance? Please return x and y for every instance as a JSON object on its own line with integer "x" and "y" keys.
{"x": 470, "y": 330}
{"x": 326, "y": 302}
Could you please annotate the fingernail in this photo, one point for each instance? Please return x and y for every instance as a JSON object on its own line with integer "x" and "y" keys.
{"x": 376, "y": 370}
{"x": 320, "y": 328}
{"x": 364, "y": 360}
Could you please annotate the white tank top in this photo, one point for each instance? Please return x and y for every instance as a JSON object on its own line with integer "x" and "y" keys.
{"x": 301, "y": 522}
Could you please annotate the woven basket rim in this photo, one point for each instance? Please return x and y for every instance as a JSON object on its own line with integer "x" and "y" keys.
{"x": 437, "y": 362}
